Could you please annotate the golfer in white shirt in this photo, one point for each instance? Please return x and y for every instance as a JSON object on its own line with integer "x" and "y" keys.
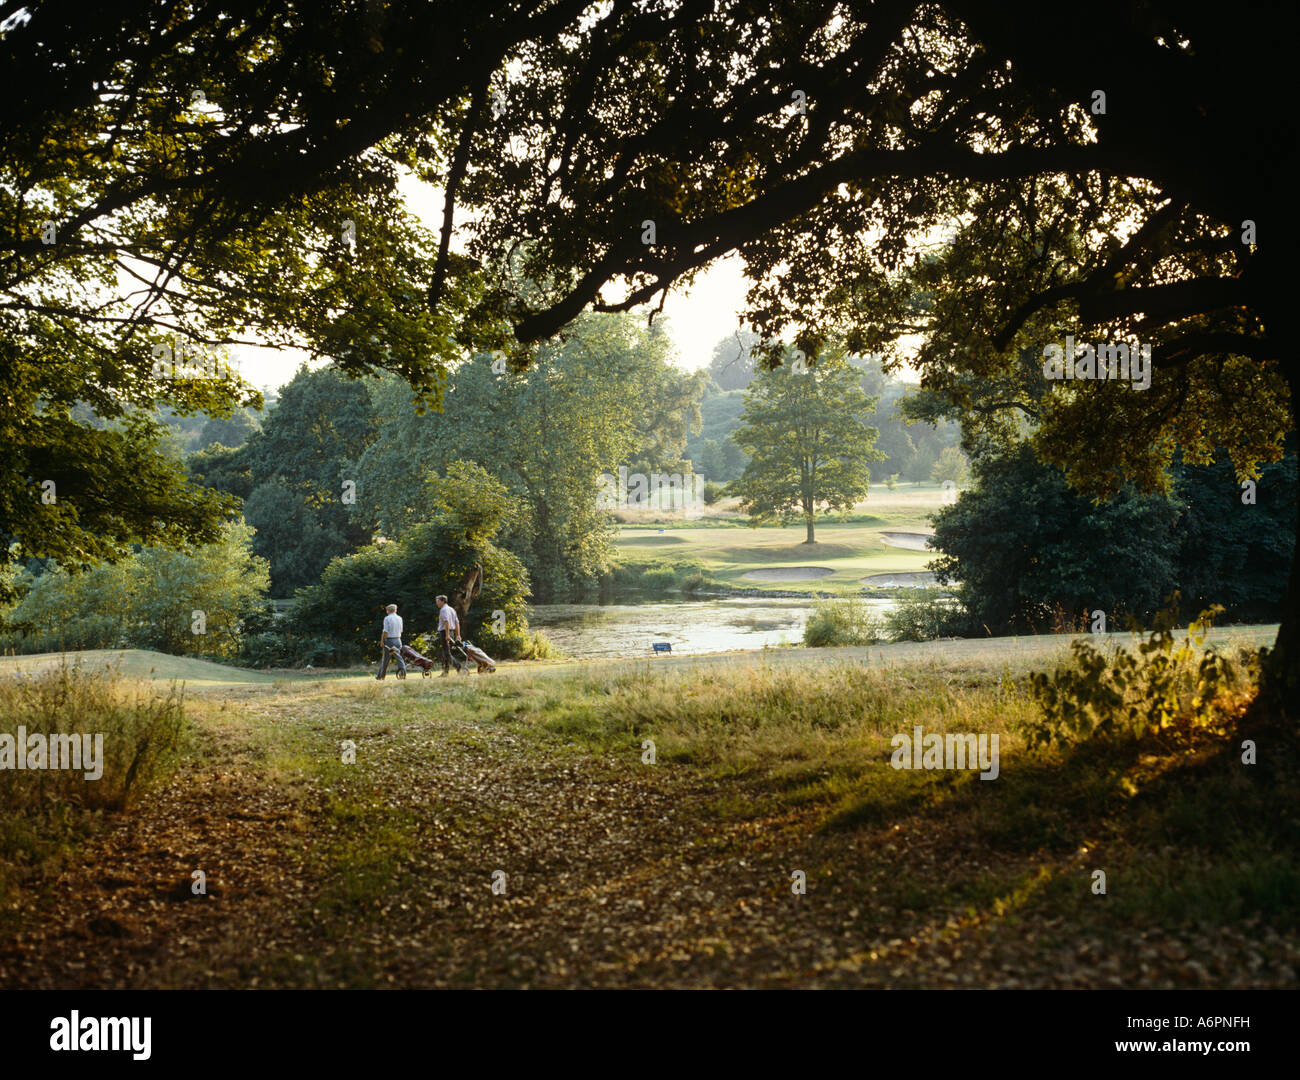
{"x": 391, "y": 638}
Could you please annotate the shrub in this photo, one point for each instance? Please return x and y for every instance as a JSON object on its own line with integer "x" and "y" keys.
{"x": 318, "y": 651}
{"x": 659, "y": 579}
{"x": 923, "y": 615}
{"x": 623, "y": 577}
{"x": 695, "y": 581}
{"x": 1101, "y": 694}
{"x": 539, "y": 647}
{"x": 145, "y": 601}
{"x": 221, "y": 580}
{"x": 91, "y": 631}
{"x": 267, "y": 649}
{"x": 514, "y": 644}
{"x": 347, "y": 607}
{"x": 713, "y": 492}
{"x": 842, "y": 622}
{"x": 257, "y": 616}
{"x": 1026, "y": 548}
{"x": 688, "y": 575}
{"x": 62, "y": 611}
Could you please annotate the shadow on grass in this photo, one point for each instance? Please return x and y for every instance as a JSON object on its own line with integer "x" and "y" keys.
{"x": 1185, "y": 833}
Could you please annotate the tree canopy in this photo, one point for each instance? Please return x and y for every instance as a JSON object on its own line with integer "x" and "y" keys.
{"x": 296, "y": 476}
{"x": 1027, "y": 553}
{"x": 347, "y": 605}
{"x": 605, "y": 396}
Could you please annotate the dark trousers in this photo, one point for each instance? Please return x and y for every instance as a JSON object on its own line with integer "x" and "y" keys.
{"x": 446, "y": 653}
{"x": 395, "y": 643}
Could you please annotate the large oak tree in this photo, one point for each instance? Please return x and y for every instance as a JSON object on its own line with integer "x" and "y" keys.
{"x": 988, "y": 176}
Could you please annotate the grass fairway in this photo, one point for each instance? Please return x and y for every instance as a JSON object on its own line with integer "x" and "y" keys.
{"x": 729, "y": 549}
{"x": 143, "y": 664}
{"x": 1010, "y": 653}
{"x": 615, "y": 870}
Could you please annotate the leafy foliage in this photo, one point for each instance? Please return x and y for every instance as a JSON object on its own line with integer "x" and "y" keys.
{"x": 1027, "y": 553}
{"x": 291, "y": 475}
{"x": 604, "y": 396}
{"x": 841, "y": 622}
{"x": 146, "y": 601}
{"x": 1143, "y": 693}
{"x": 952, "y": 465}
{"x": 179, "y": 186}
{"x": 1022, "y": 548}
{"x": 347, "y": 606}
{"x": 232, "y": 431}
{"x": 923, "y": 615}
{"x": 79, "y": 493}
{"x": 1232, "y": 553}
{"x": 224, "y": 469}
{"x": 911, "y": 446}
{"x": 292, "y": 536}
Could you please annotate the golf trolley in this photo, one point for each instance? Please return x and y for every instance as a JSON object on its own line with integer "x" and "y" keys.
{"x": 411, "y": 658}
{"x": 463, "y": 653}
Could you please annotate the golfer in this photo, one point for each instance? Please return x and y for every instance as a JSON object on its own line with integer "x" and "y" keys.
{"x": 448, "y": 624}
{"x": 391, "y": 638}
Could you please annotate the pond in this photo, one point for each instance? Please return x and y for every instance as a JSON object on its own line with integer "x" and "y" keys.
{"x": 692, "y": 626}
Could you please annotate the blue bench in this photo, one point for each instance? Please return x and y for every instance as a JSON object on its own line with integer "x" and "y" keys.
{"x": 662, "y": 646}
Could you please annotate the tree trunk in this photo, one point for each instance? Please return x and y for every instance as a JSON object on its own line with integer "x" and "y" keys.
{"x": 808, "y": 520}
{"x": 1279, "y": 691}
{"x": 464, "y": 594}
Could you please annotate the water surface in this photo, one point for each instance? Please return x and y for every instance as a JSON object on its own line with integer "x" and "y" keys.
{"x": 692, "y": 626}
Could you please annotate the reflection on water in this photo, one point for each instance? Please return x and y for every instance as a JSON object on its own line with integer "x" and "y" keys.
{"x": 693, "y": 626}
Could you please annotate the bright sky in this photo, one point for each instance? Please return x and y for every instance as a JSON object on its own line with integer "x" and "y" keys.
{"x": 695, "y": 320}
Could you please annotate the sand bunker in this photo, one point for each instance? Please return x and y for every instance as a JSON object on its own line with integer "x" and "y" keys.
{"x": 916, "y": 580}
{"x": 914, "y": 541}
{"x": 789, "y": 573}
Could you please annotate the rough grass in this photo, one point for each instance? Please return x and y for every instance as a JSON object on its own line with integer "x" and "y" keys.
{"x": 44, "y": 811}
{"x": 137, "y": 726}
{"x": 677, "y": 873}
{"x": 1177, "y": 823}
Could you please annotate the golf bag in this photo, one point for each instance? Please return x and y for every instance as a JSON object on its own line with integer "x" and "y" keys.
{"x": 465, "y": 652}
{"x": 479, "y": 656}
{"x": 458, "y": 658}
{"x": 414, "y": 659}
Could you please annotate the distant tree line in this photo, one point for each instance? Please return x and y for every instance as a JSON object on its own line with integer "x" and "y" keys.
{"x": 339, "y": 461}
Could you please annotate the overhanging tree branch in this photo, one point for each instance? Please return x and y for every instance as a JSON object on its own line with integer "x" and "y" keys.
{"x": 699, "y": 242}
